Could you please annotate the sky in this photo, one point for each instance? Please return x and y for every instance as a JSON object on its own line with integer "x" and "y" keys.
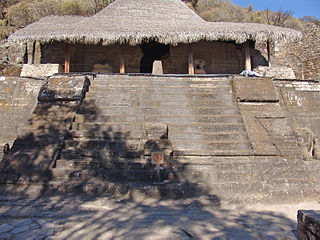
{"x": 300, "y": 7}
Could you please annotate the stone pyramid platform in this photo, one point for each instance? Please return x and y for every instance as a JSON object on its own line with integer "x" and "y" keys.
{"x": 96, "y": 134}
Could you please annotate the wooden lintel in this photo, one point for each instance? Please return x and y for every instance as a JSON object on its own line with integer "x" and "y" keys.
{"x": 268, "y": 51}
{"x": 191, "y": 66}
{"x": 122, "y": 62}
{"x": 67, "y": 57}
{"x": 247, "y": 57}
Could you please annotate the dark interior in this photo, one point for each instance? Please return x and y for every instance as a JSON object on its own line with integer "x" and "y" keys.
{"x": 152, "y": 51}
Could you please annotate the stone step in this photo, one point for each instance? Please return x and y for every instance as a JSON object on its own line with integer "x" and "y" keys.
{"x": 200, "y": 146}
{"x": 159, "y": 91}
{"x": 235, "y": 136}
{"x": 207, "y": 128}
{"x": 169, "y": 96}
{"x": 133, "y": 191}
{"x": 123, "y": 175}
{"x": 114, "y": 118}
{"x": 113, "y": 101}
{"x": 192, "y": 111}
{"x": 105, "y": 134}
{"x": 89, "y": 163}
{"x": 112, "y": 143}
{"x": 141, "y": 79}
{"x": 110, "y": 128}
{"x": 226, "y": 136}
{"x": 196, "y": 152}
{"x": 89, "y": 144}
{"x": 89, "y": 154}
{"x": 153, "y": 86}
{"x": 157, "y": 84}
{"x": 135, "y": 127}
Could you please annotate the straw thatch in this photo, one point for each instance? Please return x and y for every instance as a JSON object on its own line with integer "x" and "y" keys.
{"x": 136, "y": 21}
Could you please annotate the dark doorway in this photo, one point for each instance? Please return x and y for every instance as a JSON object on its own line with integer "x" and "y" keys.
{"x": 152, "y": 51}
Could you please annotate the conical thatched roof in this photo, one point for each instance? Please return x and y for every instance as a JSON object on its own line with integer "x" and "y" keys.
{"x": 135, "y": 21}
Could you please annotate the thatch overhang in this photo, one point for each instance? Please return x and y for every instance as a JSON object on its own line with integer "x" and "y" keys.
{"x": 136, "y": 21}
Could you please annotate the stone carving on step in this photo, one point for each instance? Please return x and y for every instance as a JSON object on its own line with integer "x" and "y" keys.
{"x": 310, "y": 145}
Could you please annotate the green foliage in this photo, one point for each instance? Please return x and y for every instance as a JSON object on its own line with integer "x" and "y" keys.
{"x": 20, "y": 14}
{"x": 71, "y": 7}
{"x": 226, "y": 11}
{"x": 311, "y": 19}
{"x": 5, "y": 30}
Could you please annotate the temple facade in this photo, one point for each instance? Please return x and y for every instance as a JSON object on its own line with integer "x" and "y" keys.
{"x": 129, "y": 36}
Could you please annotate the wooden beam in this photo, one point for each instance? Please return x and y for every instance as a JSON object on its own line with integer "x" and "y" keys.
{"x": 30, "y": 52}
{"x": 122, "y": 62}
{"x": 37, "y": 53}
{"x": 191, "y": 66}
{"x": 248, "y": 57}
{"x": 67, "y": 57}
{"x": 268, "y": 51}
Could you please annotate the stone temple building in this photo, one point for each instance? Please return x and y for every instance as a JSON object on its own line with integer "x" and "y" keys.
{"x": 128, "y": 36}
{"x": 144, "y": 99}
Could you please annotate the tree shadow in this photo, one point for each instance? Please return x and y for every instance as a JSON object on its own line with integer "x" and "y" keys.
{"x": 92, "y": 217}
{"x": 101, "y": 179}
{"x": 101, "y": 159}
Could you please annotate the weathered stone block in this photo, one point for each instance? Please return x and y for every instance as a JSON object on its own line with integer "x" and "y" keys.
{"x": 157, "y": 67}
{"x": 16, "y": 53}
{"x": 276, "y": 72}
{"x": 255, "y": 90}
{"x": 156, "y": 131}
{"x": 63, "y": 88}
{"x": 40, "y": 70}
{"x": 130, "y": 148}
{"x": 308, "y": 225}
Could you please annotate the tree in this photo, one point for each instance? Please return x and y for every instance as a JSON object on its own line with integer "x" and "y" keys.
{"x": 279, "y": 17}
{"x": 4, "y": 4}
{"x": 311, "y": 19}
{"x": 97, "y": 5}
{"x": 19, "y": 15}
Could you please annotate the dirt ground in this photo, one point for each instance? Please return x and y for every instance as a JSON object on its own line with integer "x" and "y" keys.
{"x": 87, "y": 217}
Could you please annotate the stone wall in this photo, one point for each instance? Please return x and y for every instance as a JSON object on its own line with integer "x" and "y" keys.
{"x": 11, "y": 58}
{"x": 40, "y": 140}
{"x": 303, "y": 57}
{"x": 40, "y": 70}
{"x": 18, "y": 98}
{"x": 300, "y": 100}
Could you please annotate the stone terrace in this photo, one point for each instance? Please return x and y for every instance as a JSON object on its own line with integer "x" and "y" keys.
{"x": 237, "y": 139}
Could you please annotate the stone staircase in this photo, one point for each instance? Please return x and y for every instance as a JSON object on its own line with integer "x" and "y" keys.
{"x": 100, "y": 141}
{"x": 110, "y": 131}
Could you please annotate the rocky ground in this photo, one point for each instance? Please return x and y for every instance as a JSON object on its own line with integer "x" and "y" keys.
{"x": 87, "y": 217}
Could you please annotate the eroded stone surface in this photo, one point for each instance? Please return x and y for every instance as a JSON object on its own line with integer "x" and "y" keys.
{"x": 40, "y": 70}
{"x": 255, "y": 90}
{"x": 18, "y": 98}
{"x": 308, "y": 225}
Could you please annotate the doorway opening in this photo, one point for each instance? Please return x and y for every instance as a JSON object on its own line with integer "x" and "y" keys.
{"x": 152, "y": 51}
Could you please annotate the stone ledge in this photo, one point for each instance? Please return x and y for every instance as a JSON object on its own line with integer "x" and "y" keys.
{"x": 40, "y": 70}
{"x": 255, "y": 90}
{"x": 64, "y": 88}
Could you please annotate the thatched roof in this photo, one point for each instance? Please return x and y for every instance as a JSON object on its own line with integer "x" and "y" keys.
{"x": 135, "y": 21}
